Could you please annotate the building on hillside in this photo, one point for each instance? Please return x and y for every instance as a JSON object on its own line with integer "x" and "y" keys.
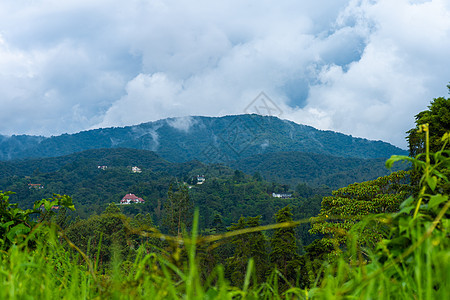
{"x": 36, "y": 186}
{"x": 131, "y": 199}
{"x": 283, "y": 196}
{"x": 102, "y": 167}
{"x": 136, "y": 170}
{"x": 200, "y": 179}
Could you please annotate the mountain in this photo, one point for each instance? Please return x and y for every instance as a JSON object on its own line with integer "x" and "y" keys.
{"x": 208, "y": 139}
{"x": 11, "y": 146}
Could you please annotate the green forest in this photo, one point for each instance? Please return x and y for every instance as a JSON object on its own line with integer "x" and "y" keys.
{"x": 343, "y": 228}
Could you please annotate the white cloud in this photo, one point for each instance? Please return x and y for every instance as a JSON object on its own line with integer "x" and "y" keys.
{"x": 357, "y": 66}
{"x": 396, "y": 77}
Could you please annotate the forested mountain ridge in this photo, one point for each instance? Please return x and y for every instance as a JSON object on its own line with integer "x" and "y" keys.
{"x": 208, "y": 139}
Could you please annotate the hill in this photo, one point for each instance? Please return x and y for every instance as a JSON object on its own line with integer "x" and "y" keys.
{"x": 207, "y": 139}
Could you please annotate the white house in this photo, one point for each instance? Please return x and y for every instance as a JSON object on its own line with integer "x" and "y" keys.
{"x": 136, "y": 170}
{"x": 284, "y": 196}
{"x": 130, "y": 199}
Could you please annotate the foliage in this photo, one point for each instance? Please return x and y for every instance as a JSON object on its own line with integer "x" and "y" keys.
{"x": 413, "y": 261}
{"x": 431, "y": 125}
{"x": 348, "y": 206}
{"x": 283, "y": 244}
{"x": 16, "y": 223}
{"x": 438, "y": 119}
{"x": 177, "y": 210}
{"x": 246, "y": 246}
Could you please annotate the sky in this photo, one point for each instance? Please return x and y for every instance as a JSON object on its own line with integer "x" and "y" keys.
{"x": 360, "y": 67}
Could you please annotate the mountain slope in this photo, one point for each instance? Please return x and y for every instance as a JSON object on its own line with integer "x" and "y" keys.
{"x": 314, "y": 169}
{"x": 208, "y": 139}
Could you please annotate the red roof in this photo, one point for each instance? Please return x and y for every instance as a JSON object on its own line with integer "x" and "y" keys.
{"x": 132, "y": 198}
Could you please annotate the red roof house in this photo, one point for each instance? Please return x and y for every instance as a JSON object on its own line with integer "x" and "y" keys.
{"x": 131, "y": 198}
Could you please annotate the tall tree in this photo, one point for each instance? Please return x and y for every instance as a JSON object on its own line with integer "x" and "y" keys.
{"x": 284, "y": 247}
{"x": 105, "y": 233}
{"x": 248, "y": 245}
{"x": 177, "y": 210}
{"x": 348, "y": 205}
{"x": 438, "y": 117}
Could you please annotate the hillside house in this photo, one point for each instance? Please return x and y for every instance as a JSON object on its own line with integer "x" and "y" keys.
{"x": 136, "y": 170}
{"x": 283, "y": 196}
{"x": 36, "y": 186}
{"x": 200, "y": 179}
{"x": 102, "y": 167}
{"x": 131, "y": 199}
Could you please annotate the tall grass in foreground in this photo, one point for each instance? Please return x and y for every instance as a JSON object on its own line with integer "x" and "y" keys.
{"x": 422, "y": 271}
{"x": 52, "y": 272}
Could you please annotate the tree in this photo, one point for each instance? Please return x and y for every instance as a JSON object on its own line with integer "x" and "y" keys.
{"x": 312, "y": 262}
{"x": 257, "y": 176}
{"x": 177, "y": 210}
{"x": 238, "y": 176}
{"x": 16, "y": 223}
{"x": 248, "y": 245}
{"x": 284, "y": 247}
{"x": 347, "y": 206}
{"x": 438, "y": 118}
{"x": 112, "y": 208}
{"x": 217, "y": 224}
{"x": 103, "y": 234}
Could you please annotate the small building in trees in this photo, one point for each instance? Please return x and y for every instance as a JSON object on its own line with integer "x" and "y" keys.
{"x": 136, "y": 170}
{"x": 131, "y": 199}
{"x": 36, "y": 186}
{"x": 283, "y": 196}
{"x": 200, "y": 179}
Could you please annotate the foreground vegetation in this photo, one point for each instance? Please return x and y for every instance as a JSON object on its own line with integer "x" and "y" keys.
{"x": 386, "y": 239}
{"x": 413, "y": 261}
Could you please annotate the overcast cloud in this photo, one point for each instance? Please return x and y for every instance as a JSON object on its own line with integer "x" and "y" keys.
{"x": 359, "y": 67}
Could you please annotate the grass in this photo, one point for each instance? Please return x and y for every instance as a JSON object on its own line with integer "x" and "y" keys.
{"x": 51, "y": 272}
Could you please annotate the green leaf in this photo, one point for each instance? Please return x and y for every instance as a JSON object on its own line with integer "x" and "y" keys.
{"x": 7, "y": 224}
{"x": 435, "y": 200}
{"x": 407, "y": 202}
{"x": 394, "y": 158}
{"x": 17, "y": 230}
{"x": 432, "y": 182}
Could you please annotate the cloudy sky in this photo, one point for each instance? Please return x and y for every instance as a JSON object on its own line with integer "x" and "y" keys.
{"x": 359, "y": 67}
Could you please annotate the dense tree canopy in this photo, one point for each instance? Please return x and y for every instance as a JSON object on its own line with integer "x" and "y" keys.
{"x": 284, "y": 246}
{"x": 347, "y": 206}
{"x": 249, "y": 245}
{"x": 438, "y": 117}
